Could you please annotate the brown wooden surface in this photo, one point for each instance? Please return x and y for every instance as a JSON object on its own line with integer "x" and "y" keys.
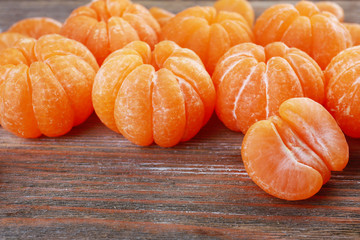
{"x": 93, "y": 183}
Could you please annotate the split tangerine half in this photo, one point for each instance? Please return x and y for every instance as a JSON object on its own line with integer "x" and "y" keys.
{"x": 36, "y": 27}
{"x": 290, "y": 156}
{"x": 45, "y": 86}
{"x": 107, "y": 25}
{"x": 208, "y": 32}
{"x": 342, "y": 90}
{"x": 303, "y": 26}
{"x": 164, "y": 96}
{"x": 252, "y": 81}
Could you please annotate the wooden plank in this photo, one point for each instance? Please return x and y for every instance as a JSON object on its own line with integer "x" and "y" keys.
{"x": 93, "y": 183}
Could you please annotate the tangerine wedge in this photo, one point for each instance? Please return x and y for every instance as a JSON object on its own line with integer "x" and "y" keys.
{"x": 36, "y": 27}
{"x": 290, "y": 156}
{"x": 208, "y": 32}
{"x": 45, "y": 86}
{"x": 161, "y": 15}
{"x": 252, "y": 81}
{"x": 303, "y": 26}
{"x": 342, "y": 90}
{"x": 164, "y": 96}
{"x": 107, "y": 25}
{"x": 242, "y": 7}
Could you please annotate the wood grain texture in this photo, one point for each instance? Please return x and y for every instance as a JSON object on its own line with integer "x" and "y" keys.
{"x": 93, "y": 183}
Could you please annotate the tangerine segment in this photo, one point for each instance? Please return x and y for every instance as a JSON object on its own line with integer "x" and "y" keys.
{"x": 354, "y": 30}
{"x": 52, "y": 108}
{"x": 16, "y": 102}
{"x": 133, "y": 106}
{"x": 8, "y": 39}
{"x": 252, "y": 81}
{"x": 289, "y": 156}
{"x": 166, "y": 102}
{"x": 333, "y": 8}
{"x": 208, "y": 32}
{"x": 36, "y": 27}
{"x": 303, "y": 26}
{"x": 162, "y": 16}
{"x": 342, "y": 91}
{"x": 105, "y": 26}
{"x": 55, "y": 82}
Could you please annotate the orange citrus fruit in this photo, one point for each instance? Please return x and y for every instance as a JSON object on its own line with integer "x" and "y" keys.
{"x": 331, "y": 7}
{"x": 45, "y": 86}
{"x": 303, "y": 26}
{"x": 164, "y": 96}
{"x": 252, "y": 81}
{"x": 107, "y": 25}
{"x": 8, "y": 39}
{"x": 290, "y": 156}
{"x": 36, "y": 27}
{"x": 342, "y": 90}
{"x": 354, "y": 29}
{"x": 208, "y": 32}
{"x": 161, "y": 15}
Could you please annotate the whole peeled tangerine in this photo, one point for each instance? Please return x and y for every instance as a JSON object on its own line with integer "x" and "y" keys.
{"x": 342, "y": 90}
{"x": 291, "y": 156}
{"x": 164, "y": 96}
{"x": 304, "y": 26}
{"x": 45, "y": 86}
{"x": 208, "y": 31}
{"x": 252, "y": 81}
{"x": 107, "y": 25}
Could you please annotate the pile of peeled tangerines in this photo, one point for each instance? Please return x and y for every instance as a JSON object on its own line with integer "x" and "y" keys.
{"x": 289, "y": 81}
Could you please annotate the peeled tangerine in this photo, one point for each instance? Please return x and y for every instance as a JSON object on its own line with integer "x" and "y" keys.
{"x": 36, "y": 27}
{"x": 252, "y": 81}
{"x": 208, "y": 31}
{"x": 303, "y": 26}
{"x": 107, "y": 25}
{"x": 290, "y": 156}
{"x": 162, "y": 16}
{"x": 45, "y": 86}
{"x": 342, "y": 90}
{"x": 164, "y": 96}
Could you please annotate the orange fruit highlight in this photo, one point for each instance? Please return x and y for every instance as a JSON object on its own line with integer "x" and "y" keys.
{"x": 45, "y": 86}
{"x": 342, "y": 90}
{"x": 161, "y": 15}
{"x": 164, "y": 96}
{"x": 303, "y": 26}
{"x": 290, "y": 156}
{"x": 36, "y": 27}
{"x": 242, "y": 7}
{"x": 331, "y": 7}
{"x": 208, "y": 32}
{"x": 252, "y": 81}
{"x": 8, "y": 39}
{"x": 354, "y": 30}
{"x": 107, "y": 25}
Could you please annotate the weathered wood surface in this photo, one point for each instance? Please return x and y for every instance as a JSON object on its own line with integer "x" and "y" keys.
{"x": 93, "y": 183}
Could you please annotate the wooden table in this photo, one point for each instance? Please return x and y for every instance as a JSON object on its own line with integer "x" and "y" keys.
{"x": 93, "y": 183}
